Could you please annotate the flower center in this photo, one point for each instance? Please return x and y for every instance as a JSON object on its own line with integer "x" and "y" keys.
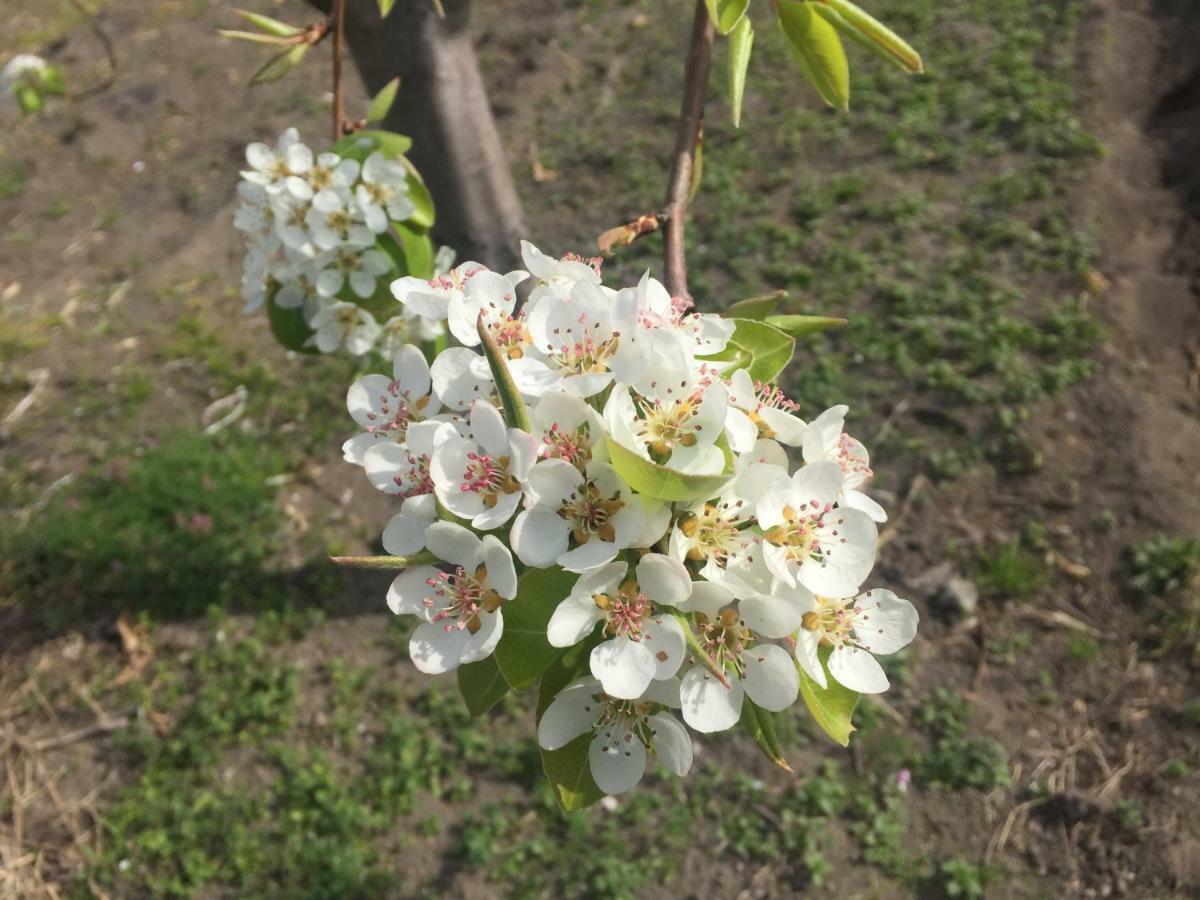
{"x": 509, "y": 333}
{"x": 627, "y": 612}
{"x": 558, "y": 443}
{"x": 415, "y": 479}
{"x": 834, "y": 619}
{"x": 713, "y": 534}
{"x": 589, "y": 514}
{"x": 799, "y": 534}
{"x": 396, "y": 410}
{"x": 724, "y": 638}
{"x": 463, "y": 596}
{"x": 320, "y": 177}
{"x": 666, "y": 426}
{"x": 851, "y": 459}
{"x": 620, "y": 722}
{"x": 583, "y": 355}
{"x": 488, "y": 476}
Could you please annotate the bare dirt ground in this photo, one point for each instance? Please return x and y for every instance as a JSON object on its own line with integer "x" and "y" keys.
{"x": 118, "y": 265}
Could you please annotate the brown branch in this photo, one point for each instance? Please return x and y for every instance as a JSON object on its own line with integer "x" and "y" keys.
{"x": 687, "y": 136}
{"x": 338, "y": 17}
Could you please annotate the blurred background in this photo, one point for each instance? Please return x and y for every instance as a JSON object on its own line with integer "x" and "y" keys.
{"x": 194, "y": 703}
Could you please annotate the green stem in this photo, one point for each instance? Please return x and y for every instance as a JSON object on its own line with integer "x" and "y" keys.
{"x": 699, "y": 652}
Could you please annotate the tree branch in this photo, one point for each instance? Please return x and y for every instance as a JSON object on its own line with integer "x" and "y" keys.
{"x": 687, "y": 137}
{"x": 338, "y": 15}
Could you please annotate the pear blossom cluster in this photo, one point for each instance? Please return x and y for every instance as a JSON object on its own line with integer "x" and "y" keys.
{"x": 687, "y": 609}
{"x": 312, "y": 224}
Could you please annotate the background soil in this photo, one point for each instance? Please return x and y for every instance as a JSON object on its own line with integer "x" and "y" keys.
{"x": 118, "y": 273}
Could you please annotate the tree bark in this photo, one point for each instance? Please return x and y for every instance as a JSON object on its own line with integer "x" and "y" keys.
{"x": 443, "y": 106}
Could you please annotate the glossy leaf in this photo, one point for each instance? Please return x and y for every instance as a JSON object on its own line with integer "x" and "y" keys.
{"x": 418, "y": 250}
{"x": 419, "y": 194}
{"x": 831, "y": 707}
{"x": 865, "y": 29}
{"x": 660, "y": 482}
{"x": 524, "y": 653}
{"x": 817, "y": 49}
{"x": 726, "y": 14}
{"x": 760, "y": 348}
{"x": 799, "y": 326}
{"x": 482, "y": 685}
{"x": 760, "y": 725}
{"x": 382, "y": 102}
{"x": 267, "y": 24}
{"x": 754, "y": 307}
{"x": 362, "y": 144}
{"x": 289, "y": 327}
{"x": 741, "y": 42}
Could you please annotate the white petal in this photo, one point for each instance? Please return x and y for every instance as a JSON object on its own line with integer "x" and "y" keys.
{"x": 410, "y": 590}
{"x": 573, "y": 620}
{"x": 818, "y": 483}
{"x": 411, "y": 370}
{"x": 434, "y": 649}
{"x": 454, "y": 544}
{"x": 618, "y": 762}
{"x": 663, "y": 579}
{"x": 363, "y": 396}
{"x": 883, "y": 622}
{"x": 502, "y": 574}
{"x": 481, "y": 644}
{"x": 672, "y": 745}
{"x": 808, "y": 645}
{"x": 708, "y": 705}
{"x": 847, "y": 557}
{"x": 569, "y": 715}
{"x": 664, "y": 639}
{"x": 708, "y": 598}
{"x": 860, "y": 501}
{"x": 858, "y": 670}
{"x": 487, "y": 427}
{"x": 539, "y": 536}
{"x": 778, "y": 614}
{"x": 771, "y": 677}
{"x": 405, "y": 533}
{"x": 624, "y": 667}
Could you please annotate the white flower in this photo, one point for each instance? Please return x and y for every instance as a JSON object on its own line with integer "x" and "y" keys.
{"x": 382, "y": 193}
{"x": 623, "y": 731}
{"x": 290, "y": 217}
{"x": 479, "y": 477}
{"x": 566, "y": 428}
{"x": 581, "y": 343}
{"x": 758, "y": 410}
{"x": 643, "y": 643}
{"x": 676, "y": 423}
{"x": 766, "y": 673}
{"x": 344, "y": 325}
{"x": 577, "y": 520}
{"x": 403, "y": 469}
{"x": 463, "y": 620}
{"x": 335, "y": 220}
{"x": 328, "y": 175}
{"x": 401, "y": 329}
{"x": 806, "y": 539}
{"x": 272, "y": 167}
{"x": 560, "y": 275}
{"x": 874, "y": 622}
{"x": 495, "y": 296}
{"x": 697, "y": 335}
{"x": 825, "y": 439}
{"x": 431, "y": 299}
{"x": 460, "y": 377}
{"x": 405, "y": 533}
{"x": 360, "y": 267}
{"x": 385, "y": 407}
{"x": 22, "y": 69}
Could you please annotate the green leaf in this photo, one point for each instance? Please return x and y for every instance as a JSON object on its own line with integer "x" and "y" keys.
{"x": 818, "y": 51}
{"x": 741, "y": 42}
{"x": 52, "y": 80}
{"x": 726, "y": 14}
{"x": 832, "y": 706}
{"x": 516, "y": 414}
{"x": 267, "y": 24}
{"x": 382, "y": 102}
{"x": 799, "y": 326}
{"x": 760, "y": 725}
{"x": 385, "y": 7}
{"x": 482, "y": 685}
{"x": 418, "y": 249}
{"x": 418, "y": 193}
{"x": 567, "y": 768}
{"x": 288, "y": 326}
{"x": 254, "y": 37}
{"x": 29, "y": 99}
{"x": 754, "y": 307}
{"x": 280, "y": 64}
{"x": 762, "y": 349}
{"x": 524, "y": 652}
{"x": 865, "y": 29}
{"x": 362, "y": 144}
{"x": 662, "y": 483}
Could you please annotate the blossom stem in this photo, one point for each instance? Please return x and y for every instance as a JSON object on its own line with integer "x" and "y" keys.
{"x": 338, "y": 16}
{"x": 687, "y": 138}
{"x": 689, "y": 633}
{"x": 384, "y": 562}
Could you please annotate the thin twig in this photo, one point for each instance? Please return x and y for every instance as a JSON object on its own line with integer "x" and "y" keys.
{"x": 104, "y": 726}
{"x": 338, "y": 15}
{"x": 687, "y": 137}
{"x": 91, "y": 19}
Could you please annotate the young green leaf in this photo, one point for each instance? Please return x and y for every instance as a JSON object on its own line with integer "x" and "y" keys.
{"x": 762, "y": 349}
{"x": 52, "y": 80}
{"x": 832, "y": 706}
{"x": 280, "y": 64}
{"x": 754, "y": 307}
{"x": 288, "y": 326}
{"x": 255, "y": 37}
{"x": 799, "y": 326}
{"x": 482, "y": 685}
{"x": 418, "y": 250}
{"x": 868, "y": 31}
{"x": 267, "y": 24}
{"x": 726, "y": 14}
{"x": 524, "y": 653}
{"x": 381, "y": 104}
{"x": 29, "y": 99}
{"x": 516, "y": 414}
{"x": 741, "y": 42}
{"x": 817, "y": 49}
{"x": 419, "y": 194}
{"x": 660, "y": 482}
{"x": 760, "y": 725}
{"x": 385, "y": 7}
{"x": 362, "y": 144}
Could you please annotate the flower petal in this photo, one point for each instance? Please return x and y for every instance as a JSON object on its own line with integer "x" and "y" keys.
{"x": 573, "y": 620}
{"x": 409, "y": 591}
{"x": 617, "y": 759}
{"x": 454, "y": 544}
{"x": 624, "y": 667}
{"x": 708, "y": 705}
{"x": 858, "y": 670}
{"x": 435, "y": 649}
{"x": 663, "y": 579}
{"x": 664, "y": 639}
{"x": 569, "y": 714}
{"x": 770, "y": 676}
{"x": 672, "y": 745}
{"x": 883, "y": 622}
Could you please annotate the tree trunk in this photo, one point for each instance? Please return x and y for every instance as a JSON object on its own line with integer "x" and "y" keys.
{"x": 443, "y": 106}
